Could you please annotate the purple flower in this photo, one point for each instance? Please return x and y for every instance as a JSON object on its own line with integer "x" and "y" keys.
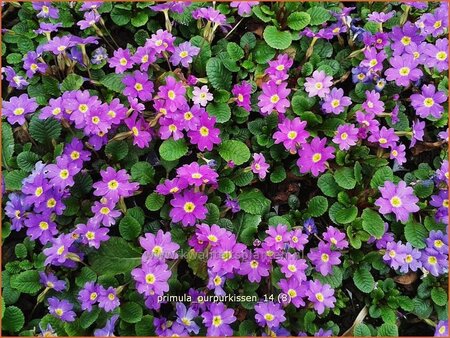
{"x": 108, "y": 300}
{"x": 242, "y": 94}
{"x": 144, "y": 56}
{"x": 278, "y": 236}
{"x": 205, "y": 135}
{"x": 139, "y": 129}
{"x": 197, "y": 175}
{"x": 173, "y": 93}
{"x": 171, "y": 186}
{"x": 108, "y": 329}
{"x": 417, "y": 132}
{"x": 346, "y": 136}
{"x": 428, "y": 102}
{"x": 15, "y": 209}
{"x": 218, "y": 319}
{"x": 82, "y": 104}
{"x": 201, "y": 96}
{"x": 411, "y": 260}
{"x": 295, "y": 290}
{"x": 373, "y": 60}
{"x": 440, "y": 201}
{"x": 183, "y": 54}
{"x": 254, "y": 269}
{"x": 209, "y": 14}
{"x": 292, "y": 266}
{"x": 384, "y": 137}
{"x": 403, "y": 36}
{"x": 297, "y": 239}
{"x": 319, "y": 84}
{"x": 17, "y": 107}
{"x": 216, "y": 281}
{"x": 310, "y": 226}
{"x": 320, "y": 295}
{"x": 46, "y": 10}
{"x": 185, "y": 317}
{"x": 438, "y": 241}
{"x": 92, "y": 234}
{"x": 161, "y": 41}
{"x": 244, "y": 7}
{"x": 99, "y": 55}
{"x": 51, "y": 281}
{"x": 437, "y": 55}
{"x": 380, "y": 17}
{"x": 59, "y": 45}
{"x": 434, "y": 262}
{"x": 76, "y": 152}
{"x": 61, "y": 309}
{"x": 59, "y": 250}
{"x": 138, "y": 85}
{"x": 152, "y": 278}
{"x": 32, "y": 65}
{"x": 404, "y": 69}
{"x": 270, "y": 314}
{"x": 225, "y": 255}
{"x": 435, "y": 23}
{"x": 335, "y": 237}
{"x": 121, "y": 61}
{"x": 278, "y": 68}
{"x": 441, "y": 329}
{"x": 233, "y": 204}
{"x": 259, "y": 165}
{"x": 88, "y": 295}
{"x": 159, "y": 247}
{"x": 61, "y": 174}
{"x": 104, "y": 212}
{"x": 398, "y": 154}
{"x": 373, "y": 104}
{"x": 114, "y": 185}
{"x": 313, "y": 156}
{"x": 291, "y": 133}
{"x": 335, "y": 102}
{"x": 188, "y": 207}
{"x": 274, "y": 97}
{"x": 15, "y": 80}
{"x": 323, "y": 258}
{"x": 90, "y": 19}
{"x": 398, "y": 199}
{"x": 40, "y": 227}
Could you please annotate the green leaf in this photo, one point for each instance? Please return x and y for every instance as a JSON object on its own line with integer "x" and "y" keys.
{"x": 254, "y": 202}
{"x": 243, "y": 178}
{"x": 120, "y": 16}
{"x": 139, "y": 18}
{"x": 197, "y": 262}
{"x": 247, "y": 328}
{"x": 145, "y": 327}
{"x": 113, "y": 82}
{"x": 218, "y": 75}
{"x": 154, "y": 201}
{"x": 44, "y": 131}
{"x": 263, "y": 53}
{"x": 116, "y": 256}
{"x": 423, "y": 189}
{"x": 388, "y": 330}
{"x": 142, "y": 172}
{"x": 226, "y": 185}
{"x": 129, "y": 227}
{"x": 235, "y": 151}
{"x": 298, "y": 20}
{"x": 361, "y": 330}
{"x": 203, "y": 56}
{"x": 373, "y": 223}
{"x": 26, "y": 282}
{"x": 72, "y": 82}
{"x": 26, "y": 160}
{"x": 221, "y": 111}
{"x": 13, "y": 179}
{"x": 341, "y": 214}
{"x": 381, "y": 175}
{"x": 333, "y": 279}
{"x": 327, "y": 184}
{"x": 247, "y": 227}
{"x": 86, "y": 275}
{"x": 318, "y": 15}
{"x": 248, "y": 40}
{"x": 171, "y": 150}
{"x": 345, "y": 178}
{"x": 235, "y": 51}
{"x": 317, "y": 206}
{"x": 363, "y": 280}
{"x": 7, "y": 143}
{"x": 415, "y": 233}
{"x": 277, "y": 39}
{"x": 439, "y": 296}
{"x": 116, "y": 150}
{"x": 278, "y": 174}
{"x": 131, "y": 312}
{"x": 213, "y": 215}
{"x": 13, "y": 319}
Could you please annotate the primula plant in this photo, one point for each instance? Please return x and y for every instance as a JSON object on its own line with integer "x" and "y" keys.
{"x": 224, "y": 169}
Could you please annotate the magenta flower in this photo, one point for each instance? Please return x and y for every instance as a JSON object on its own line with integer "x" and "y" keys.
{"x": 152, "y": 278}
{"x": 121, "y": 61}
{"x": 197, "y": 175}
{"x": 295, "y": 290}
{"x": 244, "y": 7}
{"x": 398, "y": 154}
{"x": 225, "y": 256}
{"x": 61, "y": 174}
{"x": 291, "y": 133}
{"x": 206, "y": 135}
{"x": 138, "y": 85}
{"x": 335, "y": 237}
{"x": 320, "y": 295}
{"x": 170, "y": 128}
{"x": 292, "y": 266}
{"x": 104, "y": 212}
{"x": 323, "y": 258}
{"x": 242, "y": 94}
{"x": 346, "y": 136}
{"x": 319, "y": 84}
{"x": 210, "y": 235}
{"x": 218, "y": 319}
{"x": 313, "y": 156}
{"x": 183, "y": 54}
{"x": 297, "y": 239}
{"x": 158, "y": 247}
{"x": 191, "y": 116}
{"x": 15, "y": 80}
{"x": 380, "y": 17}
{"x": 278, "y": 68}
{"x": 385, "y": 137}
{"x": 270, "y": 314}
{"x": 429, "y": 102}
{"x": 162, "y": 41}
{"x": 61, "y": 309}
{"x": 144, "y": 56}
{"x": 173, "y": 93}
{"x": 17, "y": 107}
{"x": 171, "y": 186}
{"x": 398, "y": 199}
{"x": 139, "y": 129}
{"x": 404, "y": 69}
{"x": 402, "y": 36}
{"x": 254, "y": 269}
{"x": 15, "y": 209}
{"x": 335, "y": 102}
{"x": 188, "y": 207}
{"x": 90, "y": 19}
{"x": 210, "y": 14}
{"x": 259, "y": 165}
{"x": 437, "y": 55}
{"x": 278, "y": 236}
{"x": 373, "y": 104}
{"x": 274, "y": 97}
{"x": 114, "y": 185}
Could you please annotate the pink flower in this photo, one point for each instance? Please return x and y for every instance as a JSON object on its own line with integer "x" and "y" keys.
{"x": 188, "y": 207}
{"x": 291, "y": 133}
{"x": 313, "y": 156}
{"x": 205, "y": 136}
{"x": 274, "y": 97}
{"x": 319, "y": 84}
{"x": 259, "y": 165}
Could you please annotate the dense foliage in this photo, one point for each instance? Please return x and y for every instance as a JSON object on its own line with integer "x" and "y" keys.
{"x": 236, "y": 168}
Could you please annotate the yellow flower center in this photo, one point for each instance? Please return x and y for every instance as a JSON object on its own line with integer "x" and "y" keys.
{"x": 112, "y": 113}
{"x": 150, "y": 278}
{"x": 292, "y": 293}
{"x": 38, "y": 192}
{"x": 316, "y": 157}
{"x": 319, "y": 85}
{"x": 157, "y": 250}
{"x": 432, "y": 260}
{"x": 335, "y": 103}
{"x": 43, "y": 225}
{"x": 138, "y": 86}
{"x": 74, "y": 155}
{"x": 441, "y": 56}
{"x": 61, "y": 48}
{"x": 90, "y": 235}
{"x": 445, "y": 203}
{"x": 18, "y": 111}
{"x": 280, "y": 67}
{"x": 189, "y": 207}
{"x": 174, "y": 190}
{"x": 408, "y": 259}
{"x": 171, "y": 94}
{"x": 394, "y": 153}
{"x": 373, "y": 62}
{"x": 240, "y": 98}
{"x": 226, "y": 255}
{"x": 105, "y": 211}
{"x": 254, "y": 264}
{"x": 56, "y": 111}
{"x": 437, "y": 24}
{"x": 212, "y": 238}
{"x": 442, "y": 329}
{"x": 269, "y": 317}
{"x": 344, "y": 136}
{"x": 144, "y": 59}
{"x": 173, "y": 127}
{"x": 396, "y": 202}
{"x": 392, "y": 253}
{"x": 269, "y": 253}
{"x": 83, "y": 108}
{"x": 204, "y": 131}
{"x": 113, "y": 185}
{"x": 404, "y": 71}
{"x": 186, "y": 321}
{"x": 59, "y": 312}
{"x": 217, "y": 280}
{"x": 294, "y": 239}
{"x": 274, "y": 98}
{"x": 406, "y": 40}
{"x": 416, "y": 55}
{"x": 217, "y": 321}
{"x": 188, "y": 116}
{"x": 51, "y": 203}
{"x": 428, "y": 102}
{"x": 111, "y": 296}
{"x": 50, "y": 285}
{"x": 325, "y": 257}
{"x": 158, "y": 43}
{"x": 382, "y": 140}
{"x": 64, "y": 174}
{"x": 438, "y": 243}
{"x": 278, "y": 238}
{"x": 319, "y": 297}
{"x": 60, "y": 250}
{"x": 93, "y": 296}
{"x": 197, "y": 175}
{"x": 292, "y": 268}
{"x": 292, "y": 135}
{"x": 183, "y": 54}
{"x": 123, "y": 61}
